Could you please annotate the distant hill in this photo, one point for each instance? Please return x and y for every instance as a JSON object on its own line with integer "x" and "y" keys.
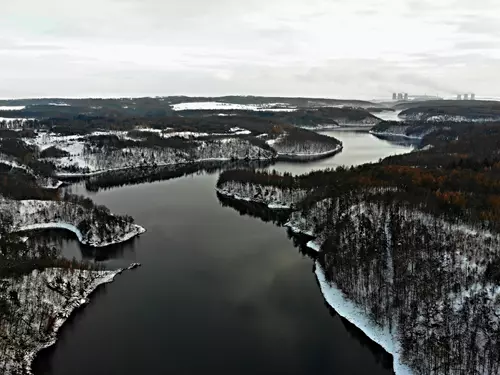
{"x": 452, "y": 110}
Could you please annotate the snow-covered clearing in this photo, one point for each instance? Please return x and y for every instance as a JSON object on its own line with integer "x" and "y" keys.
{"x": 389, "y": 115}
{"x": 209, "y": 106}
{"x": 12, "y": 107}
{"x": 60, "y": 104}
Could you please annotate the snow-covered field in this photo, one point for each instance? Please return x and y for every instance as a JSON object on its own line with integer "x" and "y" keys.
{"x": 214, "y": 106}
{"x": 43, "y": 301}
{"x": 389, "y": 115}
{"x": 12, "y": 108}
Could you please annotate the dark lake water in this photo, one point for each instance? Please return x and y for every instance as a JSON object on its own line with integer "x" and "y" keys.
{"x": 218, "y": 292}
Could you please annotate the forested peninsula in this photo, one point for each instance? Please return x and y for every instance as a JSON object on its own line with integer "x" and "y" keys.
{"x": 408, "y": 248}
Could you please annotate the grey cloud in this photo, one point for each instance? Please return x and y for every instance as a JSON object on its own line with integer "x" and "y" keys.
{"x": 269, "y": 47}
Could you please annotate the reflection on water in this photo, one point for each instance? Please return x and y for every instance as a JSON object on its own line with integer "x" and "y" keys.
{"x": 113, "y": 256}
{"x": 219, "y": 291}
{"x": 359, "y": 148}
{"x": 299, "y": 241}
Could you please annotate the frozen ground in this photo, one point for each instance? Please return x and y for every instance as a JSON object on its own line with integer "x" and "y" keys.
{"x": 277, "y": 107}
{"x": 12, "y": 108}
{"x": 389, "y": 115}
{"x": 357, "y": 316}
{"x": 100, "y": 229}
{"x": 43, "y": 301}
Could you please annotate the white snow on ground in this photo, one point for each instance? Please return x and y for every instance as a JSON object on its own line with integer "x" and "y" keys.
{"x": 356, "y": 315}
{"x": 12, "y": 107}
{"x": 71, "y": 143}
{"x": 423, "y": 116}
{"x": 274, "y": 198}
{"x": 314, "y": 246}
{"x": 46, "y": 300}
{"x": 5, "y": 159}
{"x": 321, "y": 127}
{"x": 389, "y": 115}
{"x": 36, "y": 214}
{"x": 369, "y": 121}
{"x": 401, "y": 135}
{"x": 277, "y": 107}
{"x": 310, "y": 155}
{"x": 98, "y": 162}
{"x": 402, "y": 132}
{"x": 275, "y": 206}
{"x": 60, "y": 104}
{"x": 12, "y": 119}
{"x": 43, "y": 182}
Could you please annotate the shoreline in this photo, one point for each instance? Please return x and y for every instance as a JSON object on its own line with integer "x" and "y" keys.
{"x": 72, "y": 306}
{"x": 278, "y": 157}
{"x": 396, "y": 135}
{"x": 71, "y": 175}
{"x": 70, "y": 227}
{"x": 356, "y": 316}
{"x": 343, "y": 306}
{"x": 309, "y": 157}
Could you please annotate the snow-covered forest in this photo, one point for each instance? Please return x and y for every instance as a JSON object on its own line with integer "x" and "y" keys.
{"x": 37, "y": 305}
{"x": 93, "y": 225}
{"x": 412, "y": 243}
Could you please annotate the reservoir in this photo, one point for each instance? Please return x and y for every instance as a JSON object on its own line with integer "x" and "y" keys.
{"x": 218, "y": 292}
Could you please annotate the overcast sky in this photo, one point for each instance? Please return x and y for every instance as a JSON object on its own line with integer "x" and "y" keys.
{"x": 331, "y": 48}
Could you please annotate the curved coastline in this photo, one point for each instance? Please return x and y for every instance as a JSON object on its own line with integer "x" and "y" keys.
{"x": 336, "y": 299}
{"x": 72, "y": 306}
{"x": 59, "y": 225}
{"x": 305, "y": 157}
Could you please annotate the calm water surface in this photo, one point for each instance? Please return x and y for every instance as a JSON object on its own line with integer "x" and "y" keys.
{"x": 218, "y": 292}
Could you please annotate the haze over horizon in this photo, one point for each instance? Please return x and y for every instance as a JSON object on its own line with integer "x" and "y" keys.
{"x": 315, "y": 48}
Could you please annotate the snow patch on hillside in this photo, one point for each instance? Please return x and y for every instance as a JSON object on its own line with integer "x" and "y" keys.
{"x": 45, "y": 301}
{"x": 357, "y": 316}
{"x": 214, "y": 106}
{"x": 100, "y": 229}
{"x": 12, "y": 107}
{"x": 274, "y": 198}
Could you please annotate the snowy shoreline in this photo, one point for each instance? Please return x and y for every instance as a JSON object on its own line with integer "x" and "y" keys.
{"x": 73, "y": 304}
{"x": 271, "y": 206}
{"x": 400, "y": 135}
{"x": 279, "y": 157}
{"x": 356, "y": 316}
{"x": 159, "y": 165}
{"x": 126, "y": 236}
{"x": 342, "y": 305}
{"x": 308, "y": 156}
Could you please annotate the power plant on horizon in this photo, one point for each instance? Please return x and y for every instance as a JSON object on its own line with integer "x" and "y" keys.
{"x": 399, "y": 96}
{"x": 466, "y": 96}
